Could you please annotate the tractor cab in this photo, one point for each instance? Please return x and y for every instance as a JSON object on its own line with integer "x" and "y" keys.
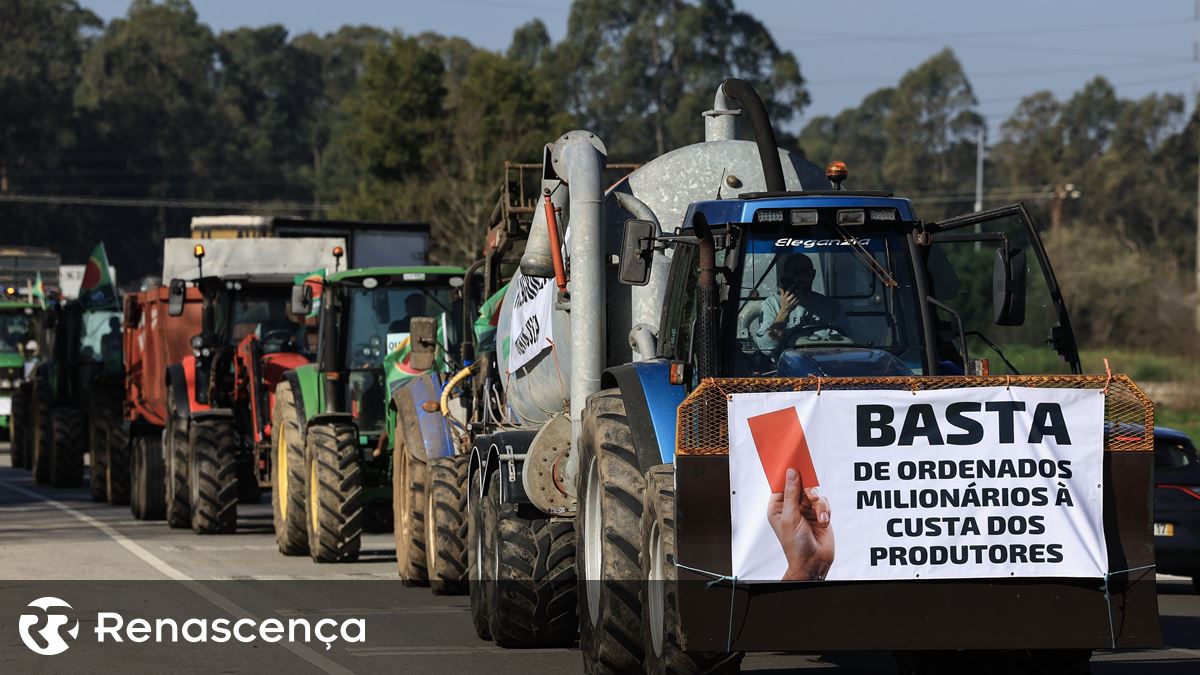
{"x": 377, "y": 323}
{"x": 846, "y": 284}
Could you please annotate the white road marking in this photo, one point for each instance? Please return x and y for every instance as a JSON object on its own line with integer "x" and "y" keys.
{"x": 312, "y": 657}
{"x": 374, "y": 611}
{"x": 446, "y": 651}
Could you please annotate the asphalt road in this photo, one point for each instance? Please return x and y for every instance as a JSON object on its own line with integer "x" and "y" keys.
{"x": 97, "y": 557}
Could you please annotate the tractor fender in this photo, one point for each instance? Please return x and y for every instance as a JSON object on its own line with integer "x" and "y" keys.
{"x": 426, "y": 434}
{"x": 212, "y": 413}
{"x": 185, "y": 372}
{"x": 651, "y": 403}
{"x": 505, "y": 453}
{"x": 180, "y": 388}
{"x": 306, "y": 390}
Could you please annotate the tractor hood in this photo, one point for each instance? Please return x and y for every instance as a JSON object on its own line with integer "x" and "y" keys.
{"x": 840, "y": 362}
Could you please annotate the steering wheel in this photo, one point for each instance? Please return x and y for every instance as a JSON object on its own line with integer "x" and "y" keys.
{"x": 806, "y": 335}
{"x": 283, "y": 337}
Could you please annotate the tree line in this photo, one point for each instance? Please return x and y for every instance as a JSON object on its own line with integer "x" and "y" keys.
{"x": 375, "y": 124}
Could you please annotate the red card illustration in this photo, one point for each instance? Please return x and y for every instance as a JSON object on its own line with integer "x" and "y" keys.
{"x": 780, "y": 441}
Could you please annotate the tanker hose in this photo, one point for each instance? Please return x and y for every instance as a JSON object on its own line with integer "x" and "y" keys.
{"x": 458, "y": 377}
{"x": 764, "y": 134}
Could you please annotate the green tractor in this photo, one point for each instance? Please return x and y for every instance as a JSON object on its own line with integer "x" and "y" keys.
{"x": 75, "y": 402}
{"x": 331, "y": 465}
{"x": 20, "y": 322}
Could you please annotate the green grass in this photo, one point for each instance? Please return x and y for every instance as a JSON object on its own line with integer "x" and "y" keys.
{"x": 1140, "y": 365}
{"x": 1187, "y": 421}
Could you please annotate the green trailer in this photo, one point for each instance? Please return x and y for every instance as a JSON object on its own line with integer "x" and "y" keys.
{"x": 331, "y": 463}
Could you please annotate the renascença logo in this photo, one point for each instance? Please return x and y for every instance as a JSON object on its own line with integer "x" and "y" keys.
{"x": 52, "y": 641}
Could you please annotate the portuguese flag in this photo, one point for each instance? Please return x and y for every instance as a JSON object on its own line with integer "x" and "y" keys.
{"x": 97, "y": 289}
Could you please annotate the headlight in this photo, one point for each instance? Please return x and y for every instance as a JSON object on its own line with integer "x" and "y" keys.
{"x": 197, "y": 342}
{"x": 206, "y": 351}
{"x": 5, "y": 383}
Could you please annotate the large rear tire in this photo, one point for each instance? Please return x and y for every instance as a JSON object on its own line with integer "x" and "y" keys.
{"x": 288, "y": 474}
{"x": 116, "y": 446}
{"x": 335, "y": 493}
{"x": 66, "y": 450}
{"x": 481, "y": 520}
{"x": 212, "y": 476}
{"x": 534, "y": 596}
{"x": 147, "y": 501}
{"x": 446, "y": 525}
{"x": 43, "y": 440}
{"x": 175, "y": 453}
{"x": 610, "y": 489}
{"x": 408, "y": 509}
{"x": 20, "y": 427}
{"x": 98, "y": 472}
{"x": 660, "y": 609}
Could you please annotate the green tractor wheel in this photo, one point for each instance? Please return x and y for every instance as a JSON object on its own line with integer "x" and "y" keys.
{"x": 335, "y": 493}
{"x": 288, "y": 474}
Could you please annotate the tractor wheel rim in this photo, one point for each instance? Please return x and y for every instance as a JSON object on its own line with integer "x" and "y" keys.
{"x": 593, "y": 557}
{"x": 431, "y": 552}
{"x": 281, "y": 475}
{"x": 656, "y": 601}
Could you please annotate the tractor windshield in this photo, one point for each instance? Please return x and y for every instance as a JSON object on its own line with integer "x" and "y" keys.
{"x": 100, "y": 341}
{"x": 378, "y": 323}
{"x": 261, "y": 311}
{"x": 15, "y": 331}
{"x": 825, "y": 300}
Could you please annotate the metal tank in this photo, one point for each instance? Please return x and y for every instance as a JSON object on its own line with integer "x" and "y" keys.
{"x": 621, "y": 321}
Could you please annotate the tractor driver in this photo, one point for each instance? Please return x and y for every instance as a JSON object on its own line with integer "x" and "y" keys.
{"x": 798, "y": 306}
{"x": 414, "y": 306}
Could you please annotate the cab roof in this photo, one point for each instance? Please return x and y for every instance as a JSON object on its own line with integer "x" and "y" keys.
{"x": 742, "y": 210}
{"x": 428, "y": 270}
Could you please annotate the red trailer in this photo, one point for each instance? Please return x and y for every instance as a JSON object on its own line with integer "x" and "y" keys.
{"x": 153, "y": 341}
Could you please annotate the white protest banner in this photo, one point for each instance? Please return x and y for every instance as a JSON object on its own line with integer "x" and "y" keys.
{"x": 532, "y": 318}
{"x": 983, "y": 482}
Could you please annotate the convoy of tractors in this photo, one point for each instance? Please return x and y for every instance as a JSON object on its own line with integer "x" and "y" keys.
{"x": 546, "y": 428}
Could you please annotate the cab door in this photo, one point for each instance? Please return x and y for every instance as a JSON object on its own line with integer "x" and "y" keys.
{"x": 993, "y": 296}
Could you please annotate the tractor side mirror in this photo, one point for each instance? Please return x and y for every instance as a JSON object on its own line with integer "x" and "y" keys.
{"x": 1008, "y": 287}
{"x": 302, "y": 299}
{"x": 637, "y": 252}
{"x": 423, "y": 342}
{"x": 177, "y": 293}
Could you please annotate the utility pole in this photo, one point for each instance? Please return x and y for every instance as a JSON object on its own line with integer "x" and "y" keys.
{"x": 980, "y": 140}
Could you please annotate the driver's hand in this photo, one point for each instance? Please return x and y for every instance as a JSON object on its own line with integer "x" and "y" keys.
{"x": 787, "y": 302}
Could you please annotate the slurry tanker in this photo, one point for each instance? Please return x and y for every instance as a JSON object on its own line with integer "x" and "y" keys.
{"x": 705, "y": 370}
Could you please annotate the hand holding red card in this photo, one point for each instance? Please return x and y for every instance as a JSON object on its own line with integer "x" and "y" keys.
{"x": 781, "y": 444}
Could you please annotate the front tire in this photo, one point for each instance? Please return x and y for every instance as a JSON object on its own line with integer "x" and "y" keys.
{"x": 480, "y": 521}
{"x": 446, "y": 525}
{"x": 610, "y": 489}
{"x": 659, "y": 599}
{"x": 66, "y": 450}
{"x": 534, "y": 587}
{"x": 148, "y": 501}
{"x": 212, "y": 476}
{"x": 335, "y": 493}
{"x": 288, "y": 474}
{"x": 408, "y": 515}
{"x": 20, "y": 428}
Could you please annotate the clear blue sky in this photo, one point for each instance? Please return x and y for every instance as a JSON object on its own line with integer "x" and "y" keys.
{"x": 846, "y": 50}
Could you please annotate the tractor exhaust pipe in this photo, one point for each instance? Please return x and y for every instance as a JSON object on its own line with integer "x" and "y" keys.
{"x": 764, "y": 134}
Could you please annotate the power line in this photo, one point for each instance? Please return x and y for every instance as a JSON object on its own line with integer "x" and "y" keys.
{"x": 167, "y": 203}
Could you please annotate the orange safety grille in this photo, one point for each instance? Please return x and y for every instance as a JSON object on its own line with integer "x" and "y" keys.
{"x": 703, "y": 424}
